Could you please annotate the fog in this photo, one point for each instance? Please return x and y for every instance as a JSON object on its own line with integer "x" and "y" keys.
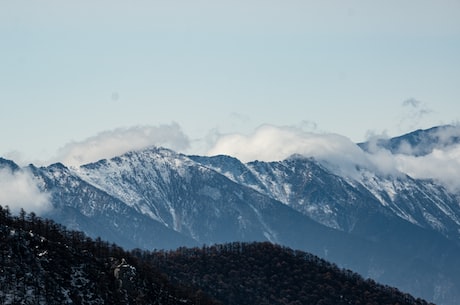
{"x": 19, "y": 189}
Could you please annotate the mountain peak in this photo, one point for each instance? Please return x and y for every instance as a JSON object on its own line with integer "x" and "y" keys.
{"x": 5, "y": 163}
{"x": 151, "y": 152}
{"x": 419, "y": 142}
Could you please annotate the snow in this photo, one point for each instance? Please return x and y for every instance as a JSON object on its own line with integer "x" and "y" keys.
{"x": 211, "y": 192}
{"x": 434, "y": 221}
{"x": 269, "y": 234}
{"x": 144, "y": 180}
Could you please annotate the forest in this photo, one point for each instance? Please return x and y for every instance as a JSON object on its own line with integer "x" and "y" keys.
{"x": 44, "y": 263}
{"x": 264, "y": 273}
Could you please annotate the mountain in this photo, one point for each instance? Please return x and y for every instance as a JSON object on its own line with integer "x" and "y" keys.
{"x": 185, "y": 198}
{"x": 8, "y": 165}
{"x": 82, "y": 206}
{"x": 407, "y": 221}
{"x": 398, "y": 230}
{"x": 339, "y": 202}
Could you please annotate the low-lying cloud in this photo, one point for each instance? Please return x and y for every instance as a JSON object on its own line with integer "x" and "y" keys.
{"x": 271, "y": 143}
{"x": 115, "y": 142}
{"x": 436, "y": 158}
{"x": 19, "y": 189}
{"x": 442, "y": 165}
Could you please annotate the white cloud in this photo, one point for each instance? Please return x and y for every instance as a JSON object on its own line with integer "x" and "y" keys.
{"x": 19, "y": 190}
{"x": 271, "y": 143}
{"x": 436, "y": 155}
{"x": 447, "y": 135}
{"x": 441, "y": 164}
{"x": 111, "y": 143}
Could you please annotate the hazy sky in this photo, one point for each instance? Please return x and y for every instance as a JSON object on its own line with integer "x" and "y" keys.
{"x": 73, "y": 71}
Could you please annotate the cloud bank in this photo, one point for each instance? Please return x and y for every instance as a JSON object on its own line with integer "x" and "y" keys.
{"x": 19, "y": 189}
{"x": 271, "y": 143}
{"x": 441, "y": 160}
{"x": 115, "y": 142}
{"x": 441, "y": 164}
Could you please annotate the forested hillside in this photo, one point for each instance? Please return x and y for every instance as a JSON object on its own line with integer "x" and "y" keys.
{"x": 43, "y": 263}
{"x": 263, "y": 273}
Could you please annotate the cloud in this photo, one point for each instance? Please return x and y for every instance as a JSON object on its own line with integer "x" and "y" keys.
{"x": 272, "y": 143}
{"x": 411, "y": 102}
{"x": 19, "y": 189}
{"x": 111, "y": 143}
{"x": 442, "y": 163}
{"x": 432, "y": 154}
{"x": 447, "y": 135}
{"x": 275, "y": 143}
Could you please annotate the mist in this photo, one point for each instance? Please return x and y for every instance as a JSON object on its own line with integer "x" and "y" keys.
{"x": 115, "y": 142}
{"x": 442, "y": 165}
{"x": 20, "y": 190}
{"x": 273, "y": 143}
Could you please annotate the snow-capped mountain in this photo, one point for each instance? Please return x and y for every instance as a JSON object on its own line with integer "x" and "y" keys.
{"x": 394, "y": 228}
{"x": 82, "y": 206}
{"x": 337, "y": 202}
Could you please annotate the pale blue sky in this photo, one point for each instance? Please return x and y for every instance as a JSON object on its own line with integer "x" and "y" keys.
{"x": 72, "y": 69}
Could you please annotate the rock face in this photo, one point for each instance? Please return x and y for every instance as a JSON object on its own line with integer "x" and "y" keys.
{"x": 125, "y": 274}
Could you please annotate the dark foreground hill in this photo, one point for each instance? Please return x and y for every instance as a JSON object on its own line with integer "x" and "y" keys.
{"x": 43, "y": 263}
{"x": 264, "y": 273}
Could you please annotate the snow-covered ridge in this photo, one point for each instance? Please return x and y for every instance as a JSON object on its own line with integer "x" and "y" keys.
{"x": 313, "y": 188}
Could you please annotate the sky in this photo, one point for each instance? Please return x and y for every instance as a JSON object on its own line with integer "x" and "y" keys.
{"x": 81, "y": 80}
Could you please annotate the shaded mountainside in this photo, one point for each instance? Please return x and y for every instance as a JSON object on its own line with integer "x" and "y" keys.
{"x": 43, "y": 263}
{"x": 263, "y": 273}
{"x": 310, "y": 188}
{"x": 86, "y": 207}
